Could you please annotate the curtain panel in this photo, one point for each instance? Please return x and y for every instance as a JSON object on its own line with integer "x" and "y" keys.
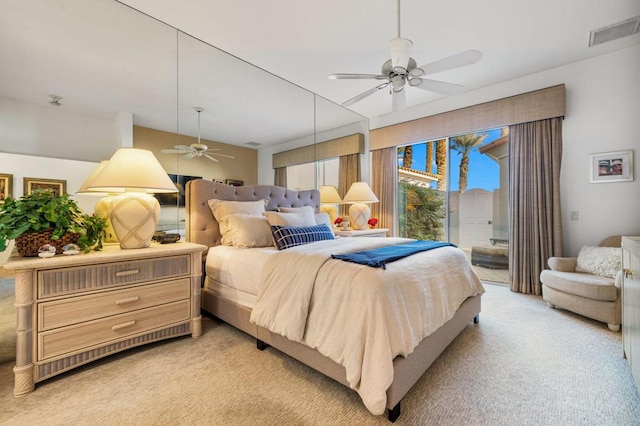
{"x": 348, "y": 173}
{"x": 384, "y": 166}
{"x": 280, "y": 177}
{"x": 535, "y": 228}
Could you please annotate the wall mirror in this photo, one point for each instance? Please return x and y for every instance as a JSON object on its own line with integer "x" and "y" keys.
{"x": 119, "y": 71}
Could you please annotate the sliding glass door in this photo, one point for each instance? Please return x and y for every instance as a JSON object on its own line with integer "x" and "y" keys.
{"x": 455, "y": 189}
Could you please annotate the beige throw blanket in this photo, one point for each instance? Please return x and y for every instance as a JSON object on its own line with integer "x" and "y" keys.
{"x": 358, "y": 316}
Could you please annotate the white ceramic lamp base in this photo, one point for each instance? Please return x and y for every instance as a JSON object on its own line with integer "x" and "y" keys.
{"x": 359, "y": 215}
{"x": 103, "y": 209}
{"x": 331, "y": 210}
{"x": 134, "y": 217}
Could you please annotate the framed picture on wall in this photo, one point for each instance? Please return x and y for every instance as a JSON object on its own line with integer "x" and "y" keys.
{"x": 6, "y": 186}
{"x": 218, "y": 181}
{"x": 615, "y": 166}
{"x": 57, "y": 187}
{"x": 233, "y": 182}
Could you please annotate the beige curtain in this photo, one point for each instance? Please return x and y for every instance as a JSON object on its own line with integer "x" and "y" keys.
{"x": 535, "y": 231}
{"x": 348, "y": 173}
{"x": 383, "y": 184}
{"x": 280, "y": 177}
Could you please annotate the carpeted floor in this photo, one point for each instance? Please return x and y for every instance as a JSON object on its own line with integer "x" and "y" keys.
{"x": 523, "y": 364}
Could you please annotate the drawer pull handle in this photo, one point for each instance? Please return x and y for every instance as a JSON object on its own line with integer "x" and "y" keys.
{"x": 123, "y": 325}
{"x": 127, "y": 300}
{"x": 127, "y": 273}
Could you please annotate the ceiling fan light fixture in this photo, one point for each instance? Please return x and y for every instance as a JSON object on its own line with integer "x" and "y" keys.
{"x": 400, "y": 53}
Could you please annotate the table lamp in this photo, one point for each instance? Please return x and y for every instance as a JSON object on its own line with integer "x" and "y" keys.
{"x": 329, "y": 197}
{"x": 134, "y": 174}
{"x": 359, "y": 195}
{"x": 103, "y": 206}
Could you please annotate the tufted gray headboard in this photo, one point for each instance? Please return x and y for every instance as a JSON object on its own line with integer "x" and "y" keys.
{"x": 202, "y": 228}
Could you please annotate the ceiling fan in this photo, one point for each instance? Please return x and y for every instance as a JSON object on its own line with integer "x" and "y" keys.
{"x": 196, "y": 149}
{"x": 402, "y": 69}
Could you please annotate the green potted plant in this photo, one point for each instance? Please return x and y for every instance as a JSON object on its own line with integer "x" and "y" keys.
{"x": 43, "y": 218}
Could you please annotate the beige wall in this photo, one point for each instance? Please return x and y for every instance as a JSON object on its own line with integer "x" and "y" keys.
{"x": 243, "y": 167}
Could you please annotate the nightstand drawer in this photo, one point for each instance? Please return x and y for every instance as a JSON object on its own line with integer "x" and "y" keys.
{"x": 68, "y": 339}
{"x": 59, "y": 313}
{"x": 63, "y": 281}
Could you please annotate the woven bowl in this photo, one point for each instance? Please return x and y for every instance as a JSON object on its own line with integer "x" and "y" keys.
{"x": 28, "y": 244}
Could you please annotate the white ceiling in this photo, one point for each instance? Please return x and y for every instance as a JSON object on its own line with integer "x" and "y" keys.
{"x": 103, "y": 59}
{"x": 304, "y": 41}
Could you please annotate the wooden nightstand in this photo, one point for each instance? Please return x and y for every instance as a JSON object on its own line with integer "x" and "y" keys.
{"x": 376, "y": 232}
{"x": 72, "y": 310}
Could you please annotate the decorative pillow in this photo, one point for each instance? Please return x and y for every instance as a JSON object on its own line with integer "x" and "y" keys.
{"x": 290, "y": 219}
{"x": 247, "y": 231}
{"x": 303, "y": 209}
{"x": 291, "y": 236}
{"x": 222, "y": 208}
{"x": 603, "y": 261}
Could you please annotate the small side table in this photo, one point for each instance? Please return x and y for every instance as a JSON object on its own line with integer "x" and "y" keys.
{"x": 375, "y": 232}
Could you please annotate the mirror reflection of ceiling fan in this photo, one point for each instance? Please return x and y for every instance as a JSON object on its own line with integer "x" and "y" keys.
{"x": 402, "y": 69}
{"x": 196, "y": 149}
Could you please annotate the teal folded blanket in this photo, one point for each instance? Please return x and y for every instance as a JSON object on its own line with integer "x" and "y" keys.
{"x": 378, "y": 258}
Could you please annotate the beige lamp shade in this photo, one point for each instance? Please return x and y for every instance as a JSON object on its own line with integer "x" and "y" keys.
{"x": 329, "y": 194}
{"x": 84, "y": 188}
{"x": 132, "y": 169}
{"x": 359, "y": 195}
{"x": 329, "y": 197}
{"x": 134, "y": 174}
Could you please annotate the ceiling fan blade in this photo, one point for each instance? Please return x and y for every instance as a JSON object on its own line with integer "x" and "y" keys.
{"x": 212, "y": 149}
{"x": 221, "y": 155}
{"x": 210, "y": 157}
{"x": 363, "y": 95}
{"x": 174, "y": 151}
{"x": 436, "y": 86}
{"x": 461, "y": 59}
{"x": 183, "y": 147}
{"x": 343, "y": 76}
{"x": 398, "y": 100}
{"x": 400, "y": 54}
{"x": 190, "y": 155}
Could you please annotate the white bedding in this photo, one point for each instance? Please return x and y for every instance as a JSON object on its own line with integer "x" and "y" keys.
{"x": 358, "y": 316}
{"x": 239, "y": 269}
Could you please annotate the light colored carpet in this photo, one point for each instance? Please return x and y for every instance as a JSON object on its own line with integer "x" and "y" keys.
{"x": 523, "y": 364}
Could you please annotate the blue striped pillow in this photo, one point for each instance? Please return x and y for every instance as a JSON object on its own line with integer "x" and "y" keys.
{"x": 291, "y": 236}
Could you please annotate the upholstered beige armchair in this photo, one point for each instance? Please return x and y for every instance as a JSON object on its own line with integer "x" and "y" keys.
{"x": 589, "y": 284}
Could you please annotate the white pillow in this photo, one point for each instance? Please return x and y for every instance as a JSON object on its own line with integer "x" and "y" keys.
{"x": 222, "y": 208}
{"x": 603, "y": 261}
{"x": 247, "y": 231}
{"x": 290, "y": 219}
{"x": 303, "y": 209}
{"x": 324, "y": 218}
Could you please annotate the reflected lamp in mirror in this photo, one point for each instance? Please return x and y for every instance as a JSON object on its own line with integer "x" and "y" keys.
{"x": 359, "y": 196}
{"x": 329, "y": 197}
{"x": 103, "y": 206}
{"x": 134, "y": 174}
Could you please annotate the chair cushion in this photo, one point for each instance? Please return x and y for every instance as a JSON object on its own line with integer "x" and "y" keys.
{"x": 581, "y": 284}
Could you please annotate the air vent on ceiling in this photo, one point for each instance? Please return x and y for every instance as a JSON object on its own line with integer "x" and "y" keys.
{"x": 254, "y": 144}
{"x": 615, "y": 31}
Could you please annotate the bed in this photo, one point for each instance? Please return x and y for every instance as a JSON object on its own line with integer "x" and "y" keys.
{"x": 238, "y": 282}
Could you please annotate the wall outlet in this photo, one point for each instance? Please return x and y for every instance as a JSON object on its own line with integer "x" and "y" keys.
{"x": 574, "y": 215}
